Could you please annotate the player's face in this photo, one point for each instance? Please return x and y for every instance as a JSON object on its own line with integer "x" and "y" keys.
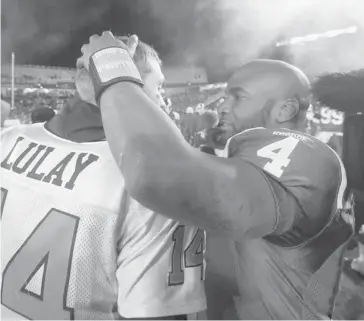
{"x": 153, "y": 83}
{"x": 241, "y": 110}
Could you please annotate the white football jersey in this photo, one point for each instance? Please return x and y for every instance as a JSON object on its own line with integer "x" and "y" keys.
{"x": 76, "y": 246}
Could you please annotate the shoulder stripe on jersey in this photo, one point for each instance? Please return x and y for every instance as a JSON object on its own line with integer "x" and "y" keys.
{"x": 343, "y": 184}
{"x": 226, "y": 149}
{"x": 340, "y": 204}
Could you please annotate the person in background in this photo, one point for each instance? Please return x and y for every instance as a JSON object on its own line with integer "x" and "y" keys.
{"x": 189, "y": 110}
{"x": 205, "y": 121}
{"x": 5, "y": 111}
{"x": 169, "y": 111}
{"x": 336, "y": 143}
{"x": 188, "y": 124}
{"x": 167, "y": 103}
{"x": 358, "y": 263}
{"x": 200, "y": 108}
{"x": 175, "y": 117}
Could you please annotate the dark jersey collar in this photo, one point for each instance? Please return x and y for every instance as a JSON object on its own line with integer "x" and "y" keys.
{"x": 78, "y": 122}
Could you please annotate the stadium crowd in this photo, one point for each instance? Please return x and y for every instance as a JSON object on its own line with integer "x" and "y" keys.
{"x": 185, "y": 108}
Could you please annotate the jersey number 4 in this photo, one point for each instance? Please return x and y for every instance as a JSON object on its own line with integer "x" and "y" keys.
{"x": 48, "y": 250}
{"x": 279, "y": 152}
{"x": 192, "y": 256}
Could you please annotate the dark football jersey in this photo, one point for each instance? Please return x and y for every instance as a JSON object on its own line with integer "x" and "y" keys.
{"x": 294, "y": 272}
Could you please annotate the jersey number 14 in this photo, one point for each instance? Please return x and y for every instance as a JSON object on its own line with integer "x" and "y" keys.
{"x": 192, "y": 256}
{"x": 41, "y": 251}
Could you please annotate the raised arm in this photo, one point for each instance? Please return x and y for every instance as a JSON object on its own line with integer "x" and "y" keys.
{"x": 161, "y": 170}
{"x": 165, "y": 174}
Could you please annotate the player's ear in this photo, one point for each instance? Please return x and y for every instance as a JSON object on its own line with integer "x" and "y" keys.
{"x": 288, "y": 110}
{"x": 84, "y": 85}
{"x": 132, "y": 44}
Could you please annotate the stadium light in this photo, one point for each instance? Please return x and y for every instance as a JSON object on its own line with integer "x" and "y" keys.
{"x": 314, "y": 37}
{"x": 12, "y": 80}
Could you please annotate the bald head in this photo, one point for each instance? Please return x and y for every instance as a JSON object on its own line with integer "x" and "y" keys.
{"x": 264, "y": 93}
{"x": 277, "y": 80}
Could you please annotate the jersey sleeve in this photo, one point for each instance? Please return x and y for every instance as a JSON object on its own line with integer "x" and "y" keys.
{"x": 304, "y": 174}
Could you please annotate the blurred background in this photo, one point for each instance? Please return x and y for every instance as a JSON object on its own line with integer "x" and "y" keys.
{"x": 200, "y": 41}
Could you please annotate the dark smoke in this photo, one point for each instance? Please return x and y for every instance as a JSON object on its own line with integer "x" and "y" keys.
{"x": 223, "y": 34}
{"x": 36, "y": 30}
{"x": 218, "y": 34}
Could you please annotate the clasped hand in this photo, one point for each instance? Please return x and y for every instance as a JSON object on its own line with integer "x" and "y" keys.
{"x": 96, "y": 43}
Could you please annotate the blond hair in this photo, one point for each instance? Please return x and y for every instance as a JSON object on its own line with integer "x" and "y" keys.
{"x": 143, "y": 54}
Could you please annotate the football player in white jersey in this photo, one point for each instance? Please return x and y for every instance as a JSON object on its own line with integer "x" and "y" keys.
{"x": 74, "y": 244}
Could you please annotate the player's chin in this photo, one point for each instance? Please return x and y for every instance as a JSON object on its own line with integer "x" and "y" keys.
{"x": 224, "y": 134}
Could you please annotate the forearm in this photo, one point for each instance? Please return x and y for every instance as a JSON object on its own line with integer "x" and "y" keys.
{"x": 138, "y": 131}
{"x": 129, "y": 114}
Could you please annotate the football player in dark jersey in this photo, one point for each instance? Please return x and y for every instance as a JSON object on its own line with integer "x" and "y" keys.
{"x": 278, "y": 195}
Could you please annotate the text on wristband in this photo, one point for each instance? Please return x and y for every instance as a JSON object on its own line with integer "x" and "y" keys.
{"x": 113, "y": 63}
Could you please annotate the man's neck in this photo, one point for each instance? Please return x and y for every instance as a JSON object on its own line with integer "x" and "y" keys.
{"x": 290, "y": 126}
{"x": 79, "y": 122}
